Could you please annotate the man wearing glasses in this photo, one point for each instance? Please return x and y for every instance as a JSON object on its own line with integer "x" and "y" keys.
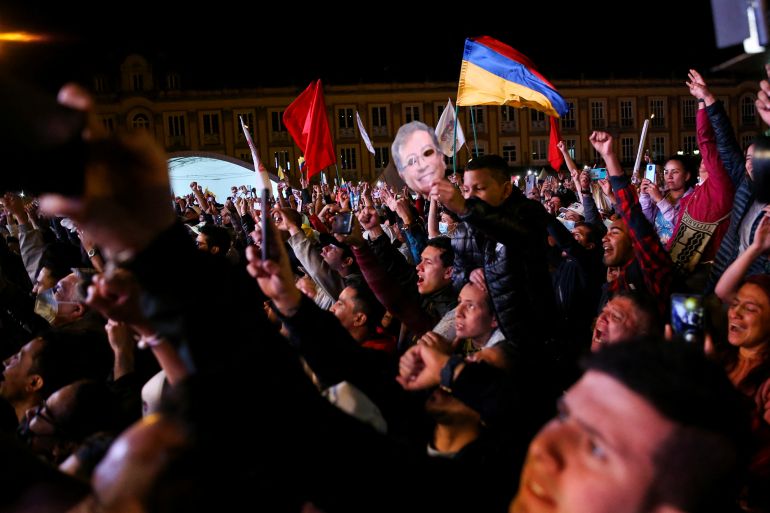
{"x": 55, "y": 428}
{"x": 44, "y": 365}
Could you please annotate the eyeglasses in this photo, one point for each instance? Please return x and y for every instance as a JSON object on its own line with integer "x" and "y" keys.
{"x": 42, "y": 412}
{"x": 427, "y": 153}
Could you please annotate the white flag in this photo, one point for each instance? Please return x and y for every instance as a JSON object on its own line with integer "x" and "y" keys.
{"x": 263, "y": 180}
{"x": 445, "y": 131}
{"x": 364, "y": 135}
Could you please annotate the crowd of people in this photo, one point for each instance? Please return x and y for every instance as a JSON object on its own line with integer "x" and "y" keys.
{"x": 466, "y": 343}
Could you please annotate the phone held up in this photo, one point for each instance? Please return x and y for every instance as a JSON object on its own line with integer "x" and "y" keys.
{"x": 688, "y": 317}
{"x": 598, "y": 173}
{"x": 343, "y": 223}
{"x": 651, "y": 173}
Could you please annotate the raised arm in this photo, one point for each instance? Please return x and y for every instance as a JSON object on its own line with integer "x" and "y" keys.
{"x": 309, "y": 255}
{"x": 763, "y": 98}
{"x": 653, "y": 259}
{"x": 719, "y": 187}
{"x": 31, "y": 240}
{"x": 433, "y": 219}
{"x": 731, "y": 279}
{"x": 567, "y": 159}
{"x": 727, "y": 145}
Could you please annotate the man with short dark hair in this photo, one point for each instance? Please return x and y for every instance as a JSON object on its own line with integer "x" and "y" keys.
{"x": 63, "y": 421}
{"x": 651, "y": 426}
{"x": 359, "y": 312}
{"x": 631, "y": 242}
{"x": 418, "y": 299}
{"x": 338, "y": 256}
{"x": 45, "y": 364}
{"x": 214, "y": 239}
{"x": 22, "y": 384}
{"x": 627, "y": 314}
{"x": 502, "y": 245}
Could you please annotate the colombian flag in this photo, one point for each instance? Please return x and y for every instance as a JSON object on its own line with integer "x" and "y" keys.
{"x": 493, "y": 73}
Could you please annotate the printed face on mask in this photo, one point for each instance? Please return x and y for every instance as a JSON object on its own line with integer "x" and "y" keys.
{"x": 422, "y": 163}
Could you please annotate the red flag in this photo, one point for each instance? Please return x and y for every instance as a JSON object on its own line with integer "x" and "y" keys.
{"x": 554, "y": 155}
{"x": 306, "y": 121}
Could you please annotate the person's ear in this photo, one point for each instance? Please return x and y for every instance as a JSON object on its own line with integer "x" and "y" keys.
{"x": 34, "y": 382}
{"x": 359, "y": 319}
{"x": 448, "y": 273}
{"x": 80, "y": 309}
{"x": 214, "y": 250}
{"x": 507, "y": 189}
{"x": 347, "y": 262}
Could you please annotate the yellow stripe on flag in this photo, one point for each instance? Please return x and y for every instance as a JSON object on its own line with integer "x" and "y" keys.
{"x": 480, "y": 87}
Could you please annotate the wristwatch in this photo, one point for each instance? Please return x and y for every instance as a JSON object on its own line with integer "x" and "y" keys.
{"x": 92, "y": 252}
{"x": 448, "y": 372}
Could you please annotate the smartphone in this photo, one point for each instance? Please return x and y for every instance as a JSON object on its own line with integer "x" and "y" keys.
{"x": 531, "y": 183}
{"x": 343, "y": 223}
{"x": 687, "y": 317}
{"x": 651, "y": 173}
{"x": 598, "y": 173}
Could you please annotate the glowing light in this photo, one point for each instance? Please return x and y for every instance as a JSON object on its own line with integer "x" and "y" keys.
{"x": 22, "y": 37}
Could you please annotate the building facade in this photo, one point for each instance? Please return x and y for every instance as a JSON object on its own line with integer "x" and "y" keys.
{"x": 208, "y": 121}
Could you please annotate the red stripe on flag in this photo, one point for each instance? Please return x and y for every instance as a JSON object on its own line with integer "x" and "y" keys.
{"x": 506, "y": 51}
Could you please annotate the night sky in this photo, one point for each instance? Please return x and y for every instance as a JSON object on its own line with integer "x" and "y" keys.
{"x": 215, "y": 47}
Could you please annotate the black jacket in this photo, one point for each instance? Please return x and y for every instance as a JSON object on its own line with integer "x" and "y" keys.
{"x": 509, "y": 242}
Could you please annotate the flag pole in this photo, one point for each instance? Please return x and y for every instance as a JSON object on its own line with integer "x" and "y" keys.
{"x": 475, "y": 141}
{"x": 263, "y": 185}
{"x": 454, "y": 142}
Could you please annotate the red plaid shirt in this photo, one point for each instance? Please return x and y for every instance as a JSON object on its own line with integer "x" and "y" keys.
{"x": 651, "y": 268}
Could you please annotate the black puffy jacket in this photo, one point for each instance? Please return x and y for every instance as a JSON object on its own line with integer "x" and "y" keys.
{"x": 509, "y": 242}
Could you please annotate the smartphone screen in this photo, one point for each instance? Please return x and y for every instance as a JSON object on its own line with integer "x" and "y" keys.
{"x": 343, "y": 223}
{"x": 687, "y": 317}
{"x": 531, "y": 182}
{"x": 650, "y": 173}
{"x": 598, "y": 173}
